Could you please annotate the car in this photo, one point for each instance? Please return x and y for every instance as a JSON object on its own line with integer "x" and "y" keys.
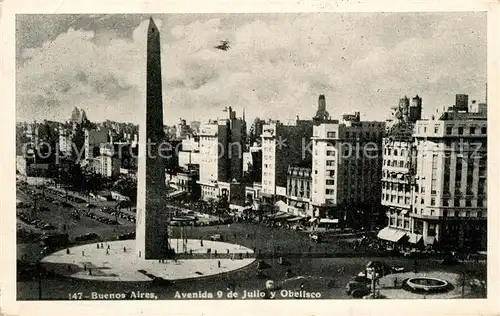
{"x": 90, "y": 205}
{"x": 358, "y": 288}
{"x": 216, "y": 237}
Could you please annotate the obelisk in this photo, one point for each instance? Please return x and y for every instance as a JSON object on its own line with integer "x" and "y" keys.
{"x": 151, "y": 227}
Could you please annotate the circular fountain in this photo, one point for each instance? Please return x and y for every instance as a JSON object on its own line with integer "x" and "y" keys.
{"x": 426, "y": 285}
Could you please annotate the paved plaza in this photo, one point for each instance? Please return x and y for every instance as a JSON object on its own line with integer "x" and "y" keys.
{"x": 121, "y": 263}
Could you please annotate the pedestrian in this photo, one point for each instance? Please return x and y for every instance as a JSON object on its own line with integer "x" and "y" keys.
{"x": 218, "y": 263}
{"x": 395, "y": 283}
{"x": 215, "y": 252}
{"x": 83, "y": 253}
{"x": 107, "y": 251}
{"x": 90, "y": 271}
{"x": 109, "y": 247}
{"x": 191, "y": 251}
{"x": 69, "y": 267}
{"x": 102, "y": 246}
{"x": 84, "y": 267}
{"x": 124, "y": 249}
{"x": 97, "y": 245}
{"x": 201, "y": 243}
{"x": 227, "y": 250}
{"x": 248, "y": 255}
{"x": 67, "y": 251}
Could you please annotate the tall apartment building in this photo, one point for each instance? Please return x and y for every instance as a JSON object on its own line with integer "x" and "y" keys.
{"x": 221, "y": 156}
{"x": 398, "y": 168}
{"x": 283, "y": 145}
{"x": 448, "y": 188}
{"x": 346, "y": 169}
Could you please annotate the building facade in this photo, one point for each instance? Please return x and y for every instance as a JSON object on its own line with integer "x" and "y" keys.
{"x": 221, "y": 155}
{"x": 283, "y": 145}
{"x": 438, "y": 197}
{"x": 346, "y": 166}
{"x": 299, "y": 187}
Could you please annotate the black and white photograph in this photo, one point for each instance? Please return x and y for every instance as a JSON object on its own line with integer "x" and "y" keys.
{"x": 251, "y": 156}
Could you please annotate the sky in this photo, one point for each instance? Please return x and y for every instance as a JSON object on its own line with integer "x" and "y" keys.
{"x": 276, "y": 67}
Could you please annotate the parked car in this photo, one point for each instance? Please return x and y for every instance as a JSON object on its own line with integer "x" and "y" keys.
{"x": 216, "y": 237}
{"x": 358, "y": 287}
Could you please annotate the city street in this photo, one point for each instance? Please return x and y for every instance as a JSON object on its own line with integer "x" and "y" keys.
{"x": 327, "y": 276}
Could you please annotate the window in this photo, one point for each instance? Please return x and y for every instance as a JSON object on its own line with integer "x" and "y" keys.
{"x": 330, "y": 163}
{"x": 457, "y": 214}
{"x": 433, "y": 201}
{"x": 449, "y": 130}
{"x": 468, "y": 203}
{"x": 460, "y": 131}
{"x": 467, "y": 214}
{"x": 330, "y": 182}
{"x": 436, "y": 129}
{"x": 456, "y": 202}
{"x": 472, "y": 130}
{"x": 445, "y": 213}
{"x": 330, "y": 153}
{"x": 483, "y": 130}
{"x": 347, "y": 134}
{"x": 480, "y": 203}
{"x": 329, "y": 191}
{"x": 479, "y": 214}
{"x": 395, "y": 152}
{"x": 331, "y": 134}
{"x": 332, "y": 173}
{"x": 446, "y": 202}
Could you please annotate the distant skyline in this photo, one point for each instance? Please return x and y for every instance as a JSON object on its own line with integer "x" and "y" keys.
{"x": 276, "y": 67}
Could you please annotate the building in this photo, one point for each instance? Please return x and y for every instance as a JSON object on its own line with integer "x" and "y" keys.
{"x": 451, "y": 187}
{"x": 78, "y": 116}
{"x": 283, "y": 145}
{"x": 110, "y": 162}
{"x": 152, "y": 212}
{"x": 321, "y": 114}
{"x": 221, "y": 156}
{"x": 189, "y": 152}
{"x": 346, "y": 165}
{"x": 406, "y": 111}
{"x": 93, "y": 141}
{"x": 195, "y": 127}
{"x": 398, "y": 166}
{"x": 438, "y": 197}
{"x": 182, "y": 131}
{"x": 299, "y": 188}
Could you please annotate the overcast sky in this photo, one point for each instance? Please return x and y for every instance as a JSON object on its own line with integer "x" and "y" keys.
{"x": 277, "y": 66}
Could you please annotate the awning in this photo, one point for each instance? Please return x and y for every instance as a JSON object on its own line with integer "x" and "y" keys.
{"x": 391, "y": 234}
{"x": 329, "y": 220}
{"x": 429, "y": 240}
{"x": 282, "y": 216}
{"x": 414, "y": 238}
{"x": 294, "y": 219}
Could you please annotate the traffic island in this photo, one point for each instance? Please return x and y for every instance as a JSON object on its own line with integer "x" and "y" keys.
{"x": 117, "y": 261}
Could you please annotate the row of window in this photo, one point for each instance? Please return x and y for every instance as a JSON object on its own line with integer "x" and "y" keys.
{"x": 460, "y": 130}
{"x": 395, "y": 152}
{"x": 395, "y": 163}
{"x": 473, "y": 130}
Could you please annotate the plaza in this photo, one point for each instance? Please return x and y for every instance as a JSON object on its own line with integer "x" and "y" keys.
{"x": 119, "y": 262}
